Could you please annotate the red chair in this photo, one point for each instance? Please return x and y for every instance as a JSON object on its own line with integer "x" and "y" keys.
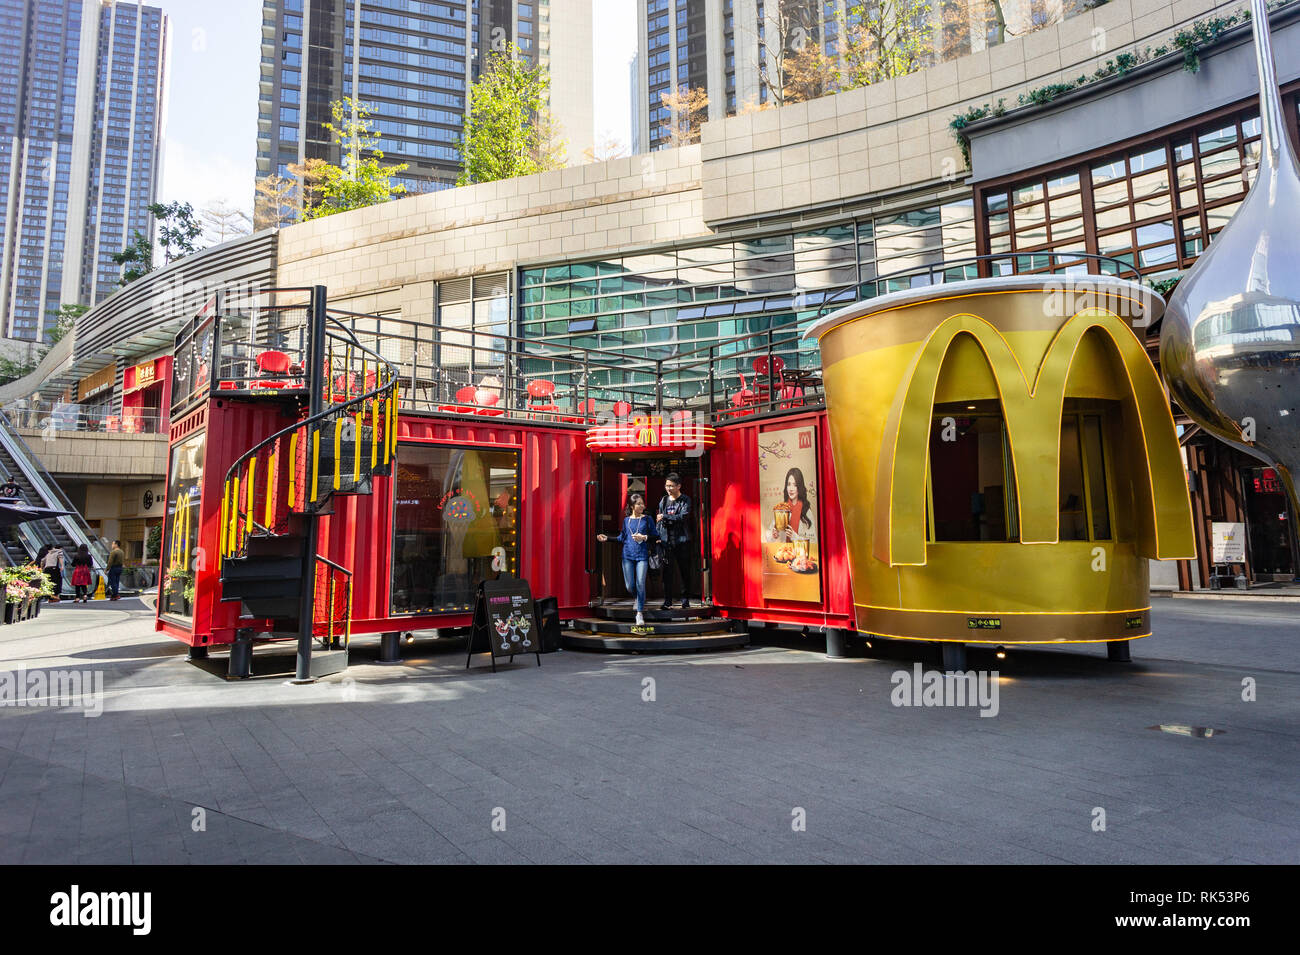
{"x": 622, "y": 409}
{"x": 744, "y": 400}
{"x": 466, "y": 398}
{"x": 540, "y": 392}
{"x": 486, "y": 401}
{"x": 586, "y": 410}
{"x": 765, "y": 372}
{"x": 269, "y": 364}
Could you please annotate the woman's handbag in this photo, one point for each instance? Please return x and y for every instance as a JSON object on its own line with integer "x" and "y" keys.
{"x": 656, "y": 556}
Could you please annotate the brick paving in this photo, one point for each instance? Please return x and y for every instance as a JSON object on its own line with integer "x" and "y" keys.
{"x": 408, "y": 763}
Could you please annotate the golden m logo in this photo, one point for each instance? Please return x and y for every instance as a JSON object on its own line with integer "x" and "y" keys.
{"x": 1033, "y": 414}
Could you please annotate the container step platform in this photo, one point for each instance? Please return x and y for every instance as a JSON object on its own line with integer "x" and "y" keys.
{"x": 614, "y": 630}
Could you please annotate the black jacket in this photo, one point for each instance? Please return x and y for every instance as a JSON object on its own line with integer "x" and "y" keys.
{"x": 679, "y": 520}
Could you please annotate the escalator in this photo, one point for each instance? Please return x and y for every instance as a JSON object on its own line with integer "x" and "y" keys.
{"x": 22, "y": 542}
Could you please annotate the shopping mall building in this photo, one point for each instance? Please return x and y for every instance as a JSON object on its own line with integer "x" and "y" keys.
{"x": 674, "y": 281}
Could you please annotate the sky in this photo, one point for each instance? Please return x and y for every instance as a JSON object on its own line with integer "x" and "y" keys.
{"x": 210, "y": 141}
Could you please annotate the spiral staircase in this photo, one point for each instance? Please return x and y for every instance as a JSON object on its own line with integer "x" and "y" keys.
{"x": 275, "y": 492}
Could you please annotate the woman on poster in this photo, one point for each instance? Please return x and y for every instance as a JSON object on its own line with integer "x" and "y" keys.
{"x": 795, "y": 504}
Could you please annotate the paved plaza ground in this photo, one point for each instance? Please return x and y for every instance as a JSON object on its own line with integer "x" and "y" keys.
{"x": 412, "y": 763}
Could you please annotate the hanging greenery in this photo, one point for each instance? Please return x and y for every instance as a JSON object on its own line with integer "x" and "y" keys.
{"x": 1190, "y": 40}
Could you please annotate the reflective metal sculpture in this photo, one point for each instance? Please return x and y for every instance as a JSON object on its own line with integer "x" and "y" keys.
{"x": 1230, "y": 344}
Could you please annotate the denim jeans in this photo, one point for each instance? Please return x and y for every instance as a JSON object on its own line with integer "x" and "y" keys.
{"x": 634, "y": 572}
{"x": 114, "y": 580}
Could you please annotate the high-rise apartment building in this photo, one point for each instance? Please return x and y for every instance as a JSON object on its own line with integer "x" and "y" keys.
{"x": 82, "y": 100}
{"x": 736, "y": 50}
{"x": 412, "y": 63}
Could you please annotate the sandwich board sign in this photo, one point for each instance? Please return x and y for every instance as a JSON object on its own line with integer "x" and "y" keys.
{"x": 505, "y": 621}
{"x": 1228, "y": 542}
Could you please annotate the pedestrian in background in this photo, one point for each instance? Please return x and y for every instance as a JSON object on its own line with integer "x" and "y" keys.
{"x": 116, "y": 564}
{"x": 53, "y": 563}
{"x": 81, "y": 564}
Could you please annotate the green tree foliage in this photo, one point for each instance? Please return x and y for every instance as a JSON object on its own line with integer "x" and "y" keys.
{"x": 362, "y": 180}
{"x": 885, "y": 39}
{"x": 178, "y": 230}
{"x": 178, "y": 234}
{"x": 136, "y": 259}
{"x": 508, "y": 131}
{"x": 64, "y": 318}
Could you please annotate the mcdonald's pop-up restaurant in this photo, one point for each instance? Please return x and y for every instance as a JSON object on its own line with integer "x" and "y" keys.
{"x": 899, "y": 403}
{"x": 989, "y": 461}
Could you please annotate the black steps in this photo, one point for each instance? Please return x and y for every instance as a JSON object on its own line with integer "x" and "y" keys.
{"x": 664, "y": 631}
{"x": 652, "y": 643}
{"x": 675, "y": 628}
{"x": 268, "y": 581}
{"x": 628, "y": 614}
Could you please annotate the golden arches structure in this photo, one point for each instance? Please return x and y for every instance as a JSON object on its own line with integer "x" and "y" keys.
{"x": 1033, "y": 413}
{"x": 889, "y": 362}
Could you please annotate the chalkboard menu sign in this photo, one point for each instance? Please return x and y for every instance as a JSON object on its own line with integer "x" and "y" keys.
{"x": 505, "y": 621}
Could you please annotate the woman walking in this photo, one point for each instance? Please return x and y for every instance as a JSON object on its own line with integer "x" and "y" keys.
{"x": 52, "y": 563}
{"x": 81, "y": 563}
{"x": 637, "y": 533}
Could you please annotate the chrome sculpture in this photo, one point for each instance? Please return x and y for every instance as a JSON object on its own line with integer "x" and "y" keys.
{"x": 1230, "y": 343}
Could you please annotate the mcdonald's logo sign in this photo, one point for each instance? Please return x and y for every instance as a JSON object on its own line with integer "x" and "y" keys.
{"x": 889, "y": 363}
{"x": 1033, "y": 402}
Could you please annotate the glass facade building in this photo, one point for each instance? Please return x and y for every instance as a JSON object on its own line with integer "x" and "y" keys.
{"x": 81, "y": 103}
{"x": 671, "y": 305}
{"x": 410, "y": 61}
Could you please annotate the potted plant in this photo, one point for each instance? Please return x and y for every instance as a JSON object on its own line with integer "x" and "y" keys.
{"x": 15, "y": 597}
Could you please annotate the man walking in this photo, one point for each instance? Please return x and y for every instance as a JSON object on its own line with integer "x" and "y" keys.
{"x": 116, "y": 562}
{"x": 678, "y": 522}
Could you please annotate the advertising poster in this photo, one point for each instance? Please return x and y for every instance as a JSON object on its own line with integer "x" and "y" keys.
{"x": 787, "y": 494}
{"x": 1227, "y": 542}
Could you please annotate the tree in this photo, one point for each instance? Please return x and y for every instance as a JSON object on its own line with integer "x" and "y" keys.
{"x": 177, "y": 233}
{"x": 884, "y": 39}
{"x": 222, "y": 221}
{"x": 605, "y": 150}
{"x": 688, "y": 108}
{"x": 276, "y": 202}
{"x": 508, "y": 129}
{"x": 552, "y": 146}
{"x": 310, "y": 176}
{"x": 136, "y": 259}
{"x": 786, "y": 33}
{"x": 178, "y": 230}
{"x": 362, "y": 180}
{"x": 283, "y": 200}
{"x": 65, "y": 316}
{"x": 12, "y": 369}
{"x": 809, "y": 73}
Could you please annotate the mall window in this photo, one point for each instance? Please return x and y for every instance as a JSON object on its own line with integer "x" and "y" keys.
{"x": 971, "y": 485}
{"x": 1152, "y": 207}
{"x": 455, "y": 524}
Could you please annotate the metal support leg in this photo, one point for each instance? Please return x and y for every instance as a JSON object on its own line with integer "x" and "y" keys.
{"x": 197, "y": 653}
{"x": 835, "y": 643}
{"x": 390, "y": 647}
{"x": 954, "y": 656}
{"x": 1117, "y": 651}
{"x": 241, "y": 656}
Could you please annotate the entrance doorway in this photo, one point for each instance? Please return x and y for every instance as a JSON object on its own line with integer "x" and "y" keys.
{"x": 1268, "y": 517}
{"x": 617, "y": 476}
